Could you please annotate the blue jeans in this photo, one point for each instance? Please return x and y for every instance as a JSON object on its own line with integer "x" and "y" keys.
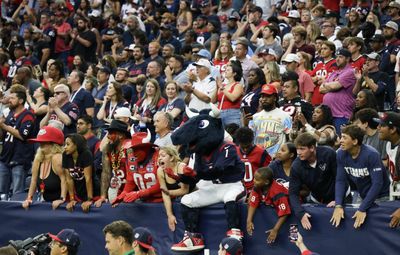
{"x": 14, "y": 175}
{"x": 230, "y": 116}
{"x": 338, "y": 122}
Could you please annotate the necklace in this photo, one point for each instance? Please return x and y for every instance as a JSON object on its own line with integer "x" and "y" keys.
{"x": 43, "y": 174}
{"x": 115, "y": 163}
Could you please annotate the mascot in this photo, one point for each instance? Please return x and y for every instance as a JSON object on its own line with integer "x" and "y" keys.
{"x": 141, "y": 177}
{"x": 218, "y": 164}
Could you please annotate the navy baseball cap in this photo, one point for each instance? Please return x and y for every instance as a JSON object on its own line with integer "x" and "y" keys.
{"x": 67, "y": 237}
{"x": 232, "y": 246}
{"x": 344, "y": 52}
{"x": 143, "y": 237}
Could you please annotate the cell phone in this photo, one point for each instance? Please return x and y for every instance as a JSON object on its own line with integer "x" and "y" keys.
{"x": 246, "y": 109}
{"x": 293, "y": 232}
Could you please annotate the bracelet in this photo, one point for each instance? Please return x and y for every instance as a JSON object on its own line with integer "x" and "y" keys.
{"x": 338, "y": 206}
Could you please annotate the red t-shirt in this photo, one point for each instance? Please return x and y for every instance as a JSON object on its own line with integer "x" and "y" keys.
{"x": 277, "y": 197}
{"x": 226, "y": 103}
{"x": 258, "y": 157}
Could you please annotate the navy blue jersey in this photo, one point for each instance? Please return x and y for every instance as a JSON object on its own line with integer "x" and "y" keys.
{"x": 135, "y": 70}
{"x": 319, "y": 180}
{"x": 366, "y": 172}
{"x": 279, "y": 173}
{"x": 12, "y": 71}
{"x": 15, "y": 150}
{"x": 252, "y": 99}
{"x": 83, "y": 99}
{"x": 290, "y": 106}
{"x": 94, "y": 143}
{"x": 222, "y": 166}
{"x": 72, "y": 111}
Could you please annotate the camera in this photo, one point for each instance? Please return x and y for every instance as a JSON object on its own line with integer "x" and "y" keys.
{"x": 38, "y": 245}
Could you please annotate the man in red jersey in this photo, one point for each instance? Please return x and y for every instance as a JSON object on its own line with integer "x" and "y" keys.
{"x": 323, "y": 69}
{"x": 141, "y": 179}
{"x": 253, "y": 156}
{"x": 113, "y": 176}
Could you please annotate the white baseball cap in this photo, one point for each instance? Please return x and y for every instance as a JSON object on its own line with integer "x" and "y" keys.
{"x": 203, "y": 62}
{"x": 122, "y": 112}
{"x": 294, "y": 14}
{"x": 291, "y": 58}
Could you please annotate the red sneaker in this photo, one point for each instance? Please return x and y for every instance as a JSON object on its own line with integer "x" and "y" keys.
{"x": 235, "y": 233}
{"x": 190, "y": 242}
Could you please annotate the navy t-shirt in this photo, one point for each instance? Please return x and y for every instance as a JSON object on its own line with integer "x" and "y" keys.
{"x": 83, "y": 99}
{"x": 16, "y": 150}
{"x": 72, "y": 111}
{"x": 168, "y": 107}
{"x": 366, "y": 172}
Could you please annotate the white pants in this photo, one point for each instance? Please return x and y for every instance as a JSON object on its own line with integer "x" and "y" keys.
{"x": 210, "y": 193}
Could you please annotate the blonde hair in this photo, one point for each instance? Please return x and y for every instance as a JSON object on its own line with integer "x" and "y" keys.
{"x": 230, "y": 54}
{"x": 173, "y": 153}
{"x": 313, "y": 33}
{"x": 273, "y": 74}
{"x": 157, "y": 94}
{"x": 55, "y": 149}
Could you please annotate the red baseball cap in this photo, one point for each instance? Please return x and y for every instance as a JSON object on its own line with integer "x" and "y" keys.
{"x": 269, "y": 89}
{"x": 49, "y": 134}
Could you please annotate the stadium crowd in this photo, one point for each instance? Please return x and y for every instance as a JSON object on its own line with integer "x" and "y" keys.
{"x": 307, "y": 91}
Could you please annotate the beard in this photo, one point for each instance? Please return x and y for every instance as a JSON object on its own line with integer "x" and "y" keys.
{"x": 268, "y": 107}
{"x": 81, "y": 29}
{"x": 113, "y": 145}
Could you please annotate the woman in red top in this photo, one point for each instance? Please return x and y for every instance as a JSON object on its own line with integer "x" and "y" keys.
{"x": 230, "y": 94}
{"x": 222, "y": 55}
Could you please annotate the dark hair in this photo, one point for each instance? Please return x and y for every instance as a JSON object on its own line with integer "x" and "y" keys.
{"x": 186, "y": 49}
{"x": 179, "y": 58}
{"x": 274, "y": 29}
{"x": 265, "y": 173}
{"x": 79, "y": 141}
{"x": 371, "y": 99}
{"x": 355, "y": 132}
{"x": 292, "y": 149}
{"x": 237, "y": 69}
{"x": 46, "y": 93}
{"x": 87, "y": 119}
{"x": 244, "y": 135}
{"x": 139, "y": 34}
{"x": 118, "y": 91}
{"x": 260, "y": 77}
{"x": 231, "y": 128}
{"x": 367, "y": 115}
{"x": 305, "y": 139}
{"x": 120, "y": 228}
{"x": 115, "y": 17}
{"x": 81, "y": 76}
{"x": 140, "y": 47}
{"x": 20, "y": 92}
{"x": 59, "y": 66}
{"x": 327, "y": 116}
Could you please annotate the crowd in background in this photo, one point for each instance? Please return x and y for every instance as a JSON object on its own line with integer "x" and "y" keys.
{"x": 277, "y": 70}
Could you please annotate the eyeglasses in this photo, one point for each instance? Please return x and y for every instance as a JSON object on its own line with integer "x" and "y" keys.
{"x": 325, "y": 26}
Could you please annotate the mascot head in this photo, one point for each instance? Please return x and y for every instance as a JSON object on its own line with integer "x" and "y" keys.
{"x": 202, "y": 133}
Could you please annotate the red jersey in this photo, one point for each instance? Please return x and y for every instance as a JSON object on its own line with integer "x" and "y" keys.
{"x": 277, "y": 197}
{"x": 143, "y": 177}
{"x": 118, "y": 164}
{"x": 258, "y": 157}
{"x": 221, "y": 65}
{"x": 358, "y": 63}
{"x": 322, "y": 69}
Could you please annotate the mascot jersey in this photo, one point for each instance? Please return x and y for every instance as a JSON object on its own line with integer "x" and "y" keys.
{"x": 223, "y": 165}
{"x": 143, "y": 177}
{"x": 257, "y": 157}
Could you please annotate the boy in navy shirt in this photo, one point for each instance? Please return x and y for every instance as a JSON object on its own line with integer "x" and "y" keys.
{"x": 314, "y": 169}
{"x": 363, "y": 166}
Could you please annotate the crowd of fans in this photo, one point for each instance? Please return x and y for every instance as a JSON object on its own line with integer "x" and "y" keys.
{"x": 307, "y": 89}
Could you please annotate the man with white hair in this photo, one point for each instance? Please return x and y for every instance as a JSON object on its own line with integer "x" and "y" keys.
{"x": 163, "y": 122}
{"x": 201, "y": 88}
{"x": 60, "y": 108}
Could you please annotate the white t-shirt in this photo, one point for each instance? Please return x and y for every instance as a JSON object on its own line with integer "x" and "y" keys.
{"x": 207, "y": 86}
{"x": 270, "y": 129}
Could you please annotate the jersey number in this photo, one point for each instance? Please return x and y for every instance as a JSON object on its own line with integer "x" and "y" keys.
{"x": 146, "y": 181}
{"x": 282, "y": 207}
{"x": 248, "y": 174}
